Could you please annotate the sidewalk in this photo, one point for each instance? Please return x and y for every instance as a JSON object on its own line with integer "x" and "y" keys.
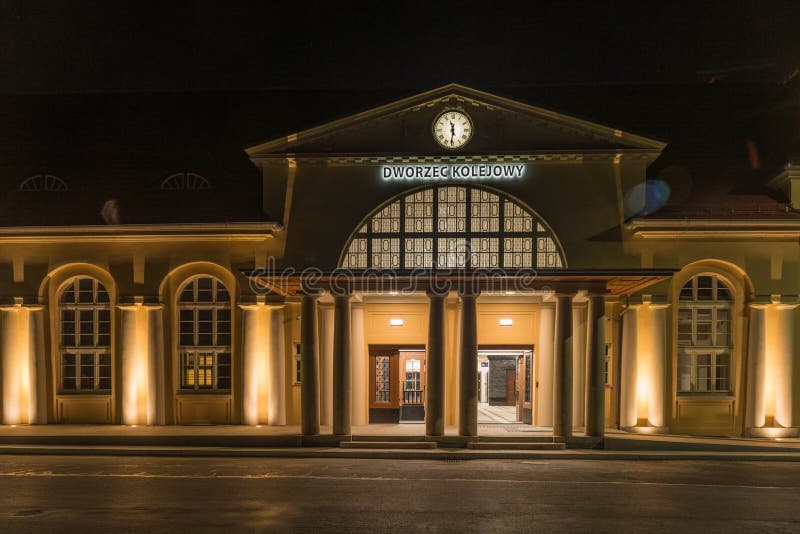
{"x": 286, "y": 441}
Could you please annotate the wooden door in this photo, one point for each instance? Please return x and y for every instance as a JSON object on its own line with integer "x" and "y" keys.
{"x": 384, "y": 387}
{"x": 511, "y": 387}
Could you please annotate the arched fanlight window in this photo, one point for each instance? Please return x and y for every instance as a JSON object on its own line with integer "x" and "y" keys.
{"x": 704, "y": 335}
{"x": 204, "y": 340}
{"x": 447, "y": 227}
{"x": 185, "y": 181}
{"x": 43, "y": 182}
{"x": 85, "y": 334}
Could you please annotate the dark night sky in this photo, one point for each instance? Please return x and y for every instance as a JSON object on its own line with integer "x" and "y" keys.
{"x": 77, "y": 46}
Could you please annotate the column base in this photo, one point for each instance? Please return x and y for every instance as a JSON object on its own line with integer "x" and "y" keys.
{"x": 646, "y": 429}
{"x": 772, "y": 432}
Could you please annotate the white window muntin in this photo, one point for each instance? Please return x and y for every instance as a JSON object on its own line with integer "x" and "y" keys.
{"x": 205, "y": 320}
{"x": 704, "y": 371}
{"x": 84, "y": 336}
{"x": 705, "y": 320}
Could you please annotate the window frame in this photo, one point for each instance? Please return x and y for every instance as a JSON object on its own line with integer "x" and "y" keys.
{"x": 197, "y": 349}
{"x": 390, "y": 226}
{"x": 77, "y": 350}
{"x": 691, "y": 349}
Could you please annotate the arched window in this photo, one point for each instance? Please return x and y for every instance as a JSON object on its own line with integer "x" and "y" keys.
{"x": 447, "y": 227}
{"x": 43, "y": 182}
{"x": 85, "y": 315}
{"x": 186, "y": 181}
{"x": 204, "y": 342}
{"x": 704, "y": 335}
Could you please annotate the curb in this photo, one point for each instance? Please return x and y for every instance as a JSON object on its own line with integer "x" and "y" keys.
{"x": 398, "y": 454}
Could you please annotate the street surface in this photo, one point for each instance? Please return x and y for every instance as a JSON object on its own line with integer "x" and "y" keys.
{"x": 51, "y": 494}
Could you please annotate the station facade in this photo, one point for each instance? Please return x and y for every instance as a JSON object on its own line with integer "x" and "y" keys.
{"x": 454, "y": 258}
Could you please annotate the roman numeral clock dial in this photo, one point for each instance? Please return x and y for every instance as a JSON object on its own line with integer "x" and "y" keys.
{"x": 452, "y": 129}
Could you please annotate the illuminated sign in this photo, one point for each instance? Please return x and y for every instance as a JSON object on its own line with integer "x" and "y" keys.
{"x": 454, "y": 171}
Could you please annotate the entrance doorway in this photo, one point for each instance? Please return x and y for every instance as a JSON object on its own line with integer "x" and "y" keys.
{"x": 396, "y": 384}
{"x": 504, "y": 385}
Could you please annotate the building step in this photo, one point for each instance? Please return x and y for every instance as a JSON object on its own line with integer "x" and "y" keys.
{"x": 512, "y": 445}
{"x": 393, "y": 438}
{"x": 387, "y": 444}
{"x": 521, "y": 439}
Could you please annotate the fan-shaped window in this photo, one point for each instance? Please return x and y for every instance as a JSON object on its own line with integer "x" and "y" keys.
{"x": 204, "y": 341}
{"x": 185, "y": 181}
{"x": 43, "y": 182}
{"x": 704, "y": 335}
{"x": 449, "y": 227}
{"x": 85, "y": 314}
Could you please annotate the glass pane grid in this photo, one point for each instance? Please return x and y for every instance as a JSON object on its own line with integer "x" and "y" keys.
{"x": 85, "y": 335}
{"x": 205, "y": 329}
{"x": 382, "y": 379}
{"x": 439, "y": 216}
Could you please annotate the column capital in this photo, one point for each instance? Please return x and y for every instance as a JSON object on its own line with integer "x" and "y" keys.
{"x": 261, "y": 302}
{"x": 342, "y": 296}
{"x": 138, "y": 302}
{"x": 436, "y": 294}
{"x": 469, "y": 293}
{"x": 564, "y": 294}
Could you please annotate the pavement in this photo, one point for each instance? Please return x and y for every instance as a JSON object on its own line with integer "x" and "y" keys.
{"x": 286, "y": 442}
{"x": 198, "y": 495}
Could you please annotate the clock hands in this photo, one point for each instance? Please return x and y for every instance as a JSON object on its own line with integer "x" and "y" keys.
{"x": 452, "y": 131}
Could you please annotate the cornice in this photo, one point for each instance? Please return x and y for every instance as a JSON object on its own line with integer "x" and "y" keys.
{"x": 141, "y": 233}
{"x": 718, "y": 229}
{"x": 565, "y": 156}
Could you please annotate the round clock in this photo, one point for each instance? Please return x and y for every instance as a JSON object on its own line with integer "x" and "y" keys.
{"x": 452, "y": 129}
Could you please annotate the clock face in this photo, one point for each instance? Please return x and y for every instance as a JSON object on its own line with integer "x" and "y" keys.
{"x": 452, "y": 129}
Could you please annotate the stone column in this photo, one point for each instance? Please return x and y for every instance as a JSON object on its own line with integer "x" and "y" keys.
{"x": 468, "y": 362}
{"x": 156, "y": 402}
{"x": 254, "y": 363}
{"x": 544, "y": 358}
{"x": 784, "y": 364}
{"x": 342, "y": 359}
{"x": 326, "y": 365}
{"x": 359, "y": 365}
{"x": 579, "y": 381}
{"x": 756, "y": 411}
{"x": 309, "y": 367}
{"x": 434, "y": 384}
{"x": 628, "y": 407}
{"x": 595, "y": 371}
{"x": 656, "y": 403}
{"x": 22, "y": 365}
{"x": 134, "y": 370}
{"x": 37, "y": 410}
{"x": 276, "y": 367}
{"x": 562, "y": 367}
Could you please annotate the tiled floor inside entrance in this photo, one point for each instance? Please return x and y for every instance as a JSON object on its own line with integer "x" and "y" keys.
{"x": 496, "y": 414}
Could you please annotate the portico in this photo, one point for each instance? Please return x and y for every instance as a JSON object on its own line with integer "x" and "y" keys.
{"x": 450, "y": 360}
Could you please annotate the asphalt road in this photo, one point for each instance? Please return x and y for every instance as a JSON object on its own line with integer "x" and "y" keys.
{"x": 220, "y": 495}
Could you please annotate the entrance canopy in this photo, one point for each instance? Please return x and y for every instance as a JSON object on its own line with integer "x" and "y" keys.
{"x": 613, "y": 282}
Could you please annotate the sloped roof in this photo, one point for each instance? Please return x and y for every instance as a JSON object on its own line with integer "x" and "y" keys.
{"x": 121, "y": 146}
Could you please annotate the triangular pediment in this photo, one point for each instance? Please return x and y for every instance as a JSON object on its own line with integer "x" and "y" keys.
{"x": 501, "y": 126}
